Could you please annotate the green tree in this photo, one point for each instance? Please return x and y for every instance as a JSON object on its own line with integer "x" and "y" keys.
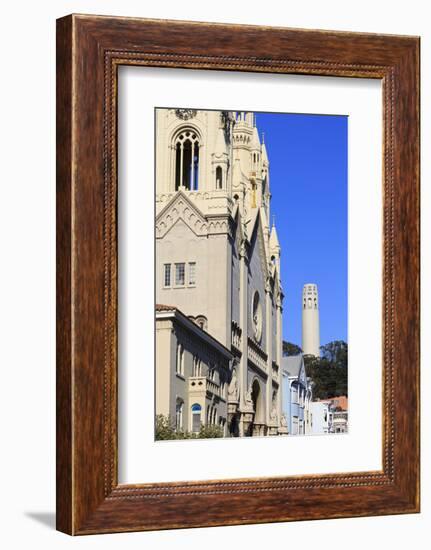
{"x": 335, "y": 352}
{"x": 290, "y": 349}
{"x": 328, "y": 372}
{"x": 208, "y": 432}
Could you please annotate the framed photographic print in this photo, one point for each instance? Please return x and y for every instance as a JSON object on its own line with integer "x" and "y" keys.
{"x": 237, "y": 274}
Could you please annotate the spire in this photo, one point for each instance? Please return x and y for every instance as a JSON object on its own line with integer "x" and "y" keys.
{"x": 274, "y": 243}
{"x": 265, "y": 160}
{"x": 255, "y": 142}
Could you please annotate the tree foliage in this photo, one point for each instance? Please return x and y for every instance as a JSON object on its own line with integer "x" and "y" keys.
{"x": 165, "y": 430}
{"x": 328, "y": 372}
{"x": 290, "y": 349}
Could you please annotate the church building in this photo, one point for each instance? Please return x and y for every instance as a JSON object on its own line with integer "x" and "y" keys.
{"x": 218, "y": 289}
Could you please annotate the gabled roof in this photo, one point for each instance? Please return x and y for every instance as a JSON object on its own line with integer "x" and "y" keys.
{"x": 292, "y": 364}
{"x": 256, "y": 226}
{"x": 180, "y": 207}
{"x": 171, "y": 312}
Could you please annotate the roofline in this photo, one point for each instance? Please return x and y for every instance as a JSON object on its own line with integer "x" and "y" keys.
{"x": 179, "y": 316}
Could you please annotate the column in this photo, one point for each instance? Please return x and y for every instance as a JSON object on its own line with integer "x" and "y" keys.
{"x": 244, "y": 327}
{"x": 181, "y": 165}
{"x": 192, "y": 179}
{"x": 279, "y": 345}
{"x": 269, "y": 337}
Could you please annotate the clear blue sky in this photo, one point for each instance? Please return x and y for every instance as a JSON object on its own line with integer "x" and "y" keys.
{"x": 308, "y": 178}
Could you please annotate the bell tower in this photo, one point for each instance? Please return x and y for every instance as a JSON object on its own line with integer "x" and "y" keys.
{"x": 310, "y": 320}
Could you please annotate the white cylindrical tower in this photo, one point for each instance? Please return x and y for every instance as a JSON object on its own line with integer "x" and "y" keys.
{"x": 310, "y": 321}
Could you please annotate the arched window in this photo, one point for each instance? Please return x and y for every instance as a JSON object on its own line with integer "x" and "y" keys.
{"x": 197, "y": 366}
{"x": 219, "y": 177}
{"x": 196, "y": 417}
{"x": 187, "y": 160}
{"x": 179, "y": 414}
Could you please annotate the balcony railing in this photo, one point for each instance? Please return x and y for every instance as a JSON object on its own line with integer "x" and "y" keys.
{"x": 202, "y": 384}
{"x": 256, "y": 355}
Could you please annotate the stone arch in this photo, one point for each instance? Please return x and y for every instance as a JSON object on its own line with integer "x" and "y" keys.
{"x": 257, "y": 400}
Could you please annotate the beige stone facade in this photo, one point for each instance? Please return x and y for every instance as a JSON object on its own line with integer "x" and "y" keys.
{"x": 218, "y": 263}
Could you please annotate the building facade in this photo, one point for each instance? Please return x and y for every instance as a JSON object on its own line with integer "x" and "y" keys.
{"x": 297, "y": 395}
{"x": 322, "y": 417}
{"x": 330, "y": 415}
{"x": 218, "y": 259}
{"x": 194, "y": 392}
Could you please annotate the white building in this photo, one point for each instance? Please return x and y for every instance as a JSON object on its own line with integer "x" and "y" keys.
{"x": 218, "y": 261}
{"x": 330, "y": 415}
{"x": 322, "y": 417}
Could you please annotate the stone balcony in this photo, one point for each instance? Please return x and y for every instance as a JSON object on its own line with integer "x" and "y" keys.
{"x": 203, "y": 385}
{"x": 257, "y": 356}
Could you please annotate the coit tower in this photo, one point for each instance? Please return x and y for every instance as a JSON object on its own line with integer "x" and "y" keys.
{"x": 310, "y": 321}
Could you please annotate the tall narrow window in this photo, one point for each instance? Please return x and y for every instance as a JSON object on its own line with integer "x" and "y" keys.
{"x": 196, "y": 371}
{"x": 179, "y": 414}
{"x": 180, "y": 274}
{"x": 187, "y": 161}
{"x": 192, "y": 273}
{"x": 180, "y": 360}
{"x": 167, "y": 275}
{"x": 219, "y": 178}
{"x": 196, "y": 417}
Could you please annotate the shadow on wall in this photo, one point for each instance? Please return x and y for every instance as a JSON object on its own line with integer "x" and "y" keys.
{"x": 45, "y": 518}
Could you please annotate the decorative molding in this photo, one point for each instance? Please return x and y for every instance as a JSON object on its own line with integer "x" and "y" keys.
{"x": 180, "y": 208}
{"x": 185, "y": 114}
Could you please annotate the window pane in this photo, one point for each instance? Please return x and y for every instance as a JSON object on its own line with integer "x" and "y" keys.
{"x": 167, "y": 275}
{"x": 196, "y": 422}
{"x": 179, "y": 274}
{"x": 192, "y": 273}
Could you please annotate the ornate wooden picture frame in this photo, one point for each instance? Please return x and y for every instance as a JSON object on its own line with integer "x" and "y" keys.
{"x": 89, "y": 51}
